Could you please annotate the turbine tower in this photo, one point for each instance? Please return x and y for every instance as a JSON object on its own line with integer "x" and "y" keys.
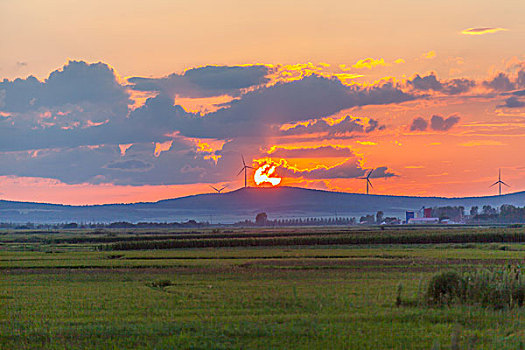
{"x": 218, "y": 189}
{"x": 499, "y": 182}
{"x": 245, "y": 169}
{"x": 368, "y": 182}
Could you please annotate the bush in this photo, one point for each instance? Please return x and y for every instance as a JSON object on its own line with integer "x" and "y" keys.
{"x": 161, "y": 284}
{"x": 444, "y": 288}
{"x": 497, "y": 288}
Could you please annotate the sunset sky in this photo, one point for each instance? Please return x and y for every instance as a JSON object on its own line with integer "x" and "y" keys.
{"x": 126, "y": 101}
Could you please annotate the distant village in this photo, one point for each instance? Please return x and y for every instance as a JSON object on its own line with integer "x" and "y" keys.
{"x": 449, "y": 215}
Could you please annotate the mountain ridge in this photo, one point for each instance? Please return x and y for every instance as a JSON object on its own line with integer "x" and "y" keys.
{"x": 242, "y": 204}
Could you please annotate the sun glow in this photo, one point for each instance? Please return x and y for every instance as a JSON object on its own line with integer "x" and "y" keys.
{"x": 266, "y": 173}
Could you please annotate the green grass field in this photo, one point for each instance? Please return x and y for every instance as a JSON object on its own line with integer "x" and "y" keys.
{"x": 62, "y": 293}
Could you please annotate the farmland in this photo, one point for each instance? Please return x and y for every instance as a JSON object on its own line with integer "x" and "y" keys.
{"x": 300, "y": 288}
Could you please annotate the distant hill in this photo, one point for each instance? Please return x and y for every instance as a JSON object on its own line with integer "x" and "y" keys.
{"x": 244, "y": 203}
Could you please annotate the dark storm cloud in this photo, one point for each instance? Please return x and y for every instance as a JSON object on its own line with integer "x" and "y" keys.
{"x": 346, "y": 126}
{"x": 83, "y": 104}
{"x": 69, "y": 165}
{"x": 78, "y": 82}
{"x": 131, "y": 165}
{"x": 156, "y": 118}
{"x": 500, "y": 82}
{"x": 149, "y": 123}
{"x": 449, "y": 87}
{"x": 80, "y": 104}
{"x": 418, "y": 124}
{"x": 520, "y": 81}
{"x": 309, "y": 98}
{"x": 439, "y": 123}
{"x": 512, "y": 102}
{"x": 505, "y": 83}
{"x": 105, "y": 164}
{"x": 382, "y": 172}
{"x": 20, "y": 94}
{"x": 205, "y": 81}
{"x": 68, "y": 126}
{"x": 2, "y": 99}
{"x": 458, "y": 86}
{"x": 429, "y": 82}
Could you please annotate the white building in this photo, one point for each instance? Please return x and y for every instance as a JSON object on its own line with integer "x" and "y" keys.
{"x": 423, "y": 221}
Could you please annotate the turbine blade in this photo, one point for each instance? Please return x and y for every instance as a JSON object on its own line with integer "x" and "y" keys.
{"x": 214, "y": 188}
{"x": 240, "y": 172}
{"x": 243, "y": 163}
{"x": 249, "y": 167}
{"x": 505, "y": 184}
{"x": 370, "y": 173}
{"x": 222, "y": 188}
{"x": 370, "y": 183}
{"x": 495, "y": 183}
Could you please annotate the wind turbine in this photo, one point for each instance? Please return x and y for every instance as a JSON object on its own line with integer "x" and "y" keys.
{"x": 218, "y": 189}
{"x": 245, "y": 169}
{"x": 367, "y": 178}
{"x": 499, "y": 182}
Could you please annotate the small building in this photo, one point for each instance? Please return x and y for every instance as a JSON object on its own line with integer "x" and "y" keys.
{"x": 449, "y": 222}
{"x": 423, "y": 221}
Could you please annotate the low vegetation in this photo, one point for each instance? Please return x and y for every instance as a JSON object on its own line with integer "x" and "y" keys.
{"x": 423, "y": 236}
{"x": 58, "y": 294}
{"x": 496, "y": 288}
{"x": 160, "y": 284}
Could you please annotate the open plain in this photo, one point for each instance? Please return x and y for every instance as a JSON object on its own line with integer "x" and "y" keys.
{"x": 260, "y": 288}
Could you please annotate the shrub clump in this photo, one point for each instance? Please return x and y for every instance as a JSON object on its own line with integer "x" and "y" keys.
{"x": 497, "y": 288}
{"x": 444, "y": 288}
{"x": 160, "y": 284}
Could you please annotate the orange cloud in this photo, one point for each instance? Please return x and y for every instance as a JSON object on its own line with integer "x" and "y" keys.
{"x": 347, "y": 78}
{"x": 367, "y": 143}
{"x": 429, "y": 55}
{"x": 207, "y": 145}
{"x": 369, "y": 63}
{"x": 162, "y": 147}
{"x": 203, "y": 105}
{"x": 331, "y": 151}
{"x": 481, "y": 31}
{"x": 124, "y": 147}
{"x": 292, "y": 72}
{"x": 139, "y": 97}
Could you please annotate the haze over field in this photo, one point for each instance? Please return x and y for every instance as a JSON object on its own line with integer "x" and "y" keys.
{"x": 111, "y": 102}
{"x": 244, "y": 204}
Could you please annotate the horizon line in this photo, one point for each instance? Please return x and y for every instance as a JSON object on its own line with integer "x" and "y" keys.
{"x": 255, "y": 187}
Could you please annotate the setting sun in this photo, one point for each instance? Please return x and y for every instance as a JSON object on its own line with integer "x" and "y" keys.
{"x": 266, "y": 173}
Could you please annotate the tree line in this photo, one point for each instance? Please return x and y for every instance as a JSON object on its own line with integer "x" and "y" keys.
{"x": 486, "y": 214}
